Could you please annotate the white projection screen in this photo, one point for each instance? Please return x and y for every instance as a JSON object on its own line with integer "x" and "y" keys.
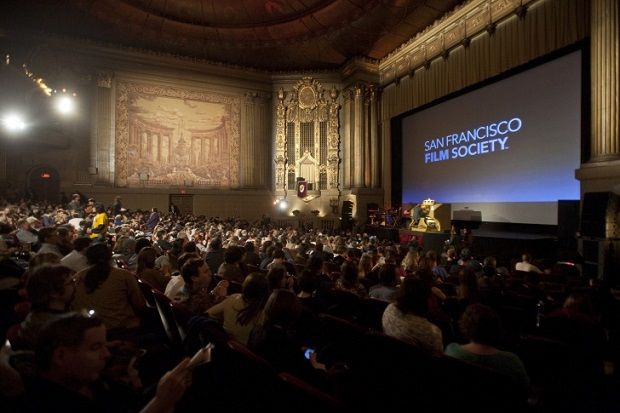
{"x": 508, "y": 149}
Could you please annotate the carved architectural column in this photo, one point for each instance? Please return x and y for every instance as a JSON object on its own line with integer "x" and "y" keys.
{"x": 280, "y": 157}
{"x": 333, "y": 139}
{"x": 358, "y": 137}
{"x": 347, "y": 127}
{"x": 375, "y": 165}
{"x": 605, "y": 83}
{"x": 102, "y": 130}
{"x": 255, "y": 120}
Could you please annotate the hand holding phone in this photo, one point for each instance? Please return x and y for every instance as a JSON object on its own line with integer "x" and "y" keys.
{"x": 202, "y": 356}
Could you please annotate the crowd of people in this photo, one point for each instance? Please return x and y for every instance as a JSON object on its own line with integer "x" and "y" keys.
{"x": 80, "y": 267}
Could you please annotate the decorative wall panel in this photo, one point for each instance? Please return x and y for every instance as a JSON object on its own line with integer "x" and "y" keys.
{"x": 168, "y": 136}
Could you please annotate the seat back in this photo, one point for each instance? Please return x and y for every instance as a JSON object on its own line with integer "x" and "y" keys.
{"x": 304, "y": 398}
{"x": 147, "y": 293}
{"x": 371, "y": 313}
{"x": 168, "y": 319}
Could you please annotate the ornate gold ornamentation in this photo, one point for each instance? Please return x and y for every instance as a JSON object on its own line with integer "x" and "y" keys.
{"x": 307, "y": 104}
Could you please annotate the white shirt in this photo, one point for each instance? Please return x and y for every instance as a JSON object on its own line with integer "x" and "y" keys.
{"x": 527, "y": 267}
{"x": 75, "y": 223}
{"x": 75, "y": 260}
{"x": 174, "y": 287}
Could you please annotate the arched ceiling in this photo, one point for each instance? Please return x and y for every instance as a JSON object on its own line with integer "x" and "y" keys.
{"x": 265, "y": 34}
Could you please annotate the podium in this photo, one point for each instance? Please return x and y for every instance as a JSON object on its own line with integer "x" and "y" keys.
{"x": 302, "y": 188}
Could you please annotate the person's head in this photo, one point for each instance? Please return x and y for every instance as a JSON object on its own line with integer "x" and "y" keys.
{"x": 72, "y": 349}
{"x": 140, "y": 244}
{"x": 348, "y": 274}
{"x": 490, "y": 262}
{"x": 98, "y": 256}
{"x": 388, "y": 276}
{"x": 254, "y": 293}
{"x": 249, "y": 246}
{"x": 50, "y": 287}
{"x": 282, "y": 309}
{"x": 146, "y": 259}
{"x": 315, "y": 264}
{"x": 81, "y": 243}
{"x": 276, "y": 277}
{"x": 580, "y": 303}
{"x": 278, "y": 254}
{"x": 308, "y": 282}
{"x": 365, "y": 264}
{"x": 412, "y": 298}
{"x": 99, "y": 208}
{"x": 233, "y": 255}
{"x": 190, "y": 246}
{"x": 468, "y": 284}
{"x": 49, "y": 235}
{"x": 526, "y": 257}
{"x": 481, "y": 324}
{"x": 196, "y": 274}
{"x": 183, "y": 258}
{"x": 215, "y": 244}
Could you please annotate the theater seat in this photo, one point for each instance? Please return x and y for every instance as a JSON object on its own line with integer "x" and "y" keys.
{"x": 304, "y": 398}
{"x": 168, "y": 320}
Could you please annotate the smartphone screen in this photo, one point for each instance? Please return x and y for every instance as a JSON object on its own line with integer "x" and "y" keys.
{"x": 308, "y": 353}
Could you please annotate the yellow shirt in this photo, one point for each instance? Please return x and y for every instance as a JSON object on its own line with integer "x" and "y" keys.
{"x": 100, "y": 219}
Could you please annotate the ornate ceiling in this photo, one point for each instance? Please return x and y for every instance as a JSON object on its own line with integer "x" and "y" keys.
{"x": 266, "y": 34}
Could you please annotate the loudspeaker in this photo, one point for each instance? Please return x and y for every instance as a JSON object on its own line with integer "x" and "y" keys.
{"x": 346, "y": 215}
{"x": 568, "y": 223}
{"x": 594, "y": 213}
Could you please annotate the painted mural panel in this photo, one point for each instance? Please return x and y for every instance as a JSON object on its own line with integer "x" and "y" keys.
{"x": 167, "y": 136}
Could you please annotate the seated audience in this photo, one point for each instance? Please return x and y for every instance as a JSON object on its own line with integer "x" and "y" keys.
{"x": 76, "y": 259}
{"x": 230, "y": 269}
{"x": 388, "y": 279}
{"x": 406, "y": 318}
{"x": 195, "y": 292}
{"x": 240, "y": 313}
{"x": 526, "y": 265}
{"x": 71, "y": 355}
{"x": 349, "y": 281}
{"x": 49, "y": 239}
{"x": 113, "y": 293}
{"x": 50, "y": 291}
{"x": 481, "y": 326}
{"x": 146, "y": 269}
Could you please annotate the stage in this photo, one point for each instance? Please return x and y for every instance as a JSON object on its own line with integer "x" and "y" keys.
{"x": 504, "y": 245}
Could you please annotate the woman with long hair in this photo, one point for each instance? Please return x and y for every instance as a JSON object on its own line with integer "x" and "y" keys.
{"x": 240, "y": 313}
{"x": 112, "y": 293}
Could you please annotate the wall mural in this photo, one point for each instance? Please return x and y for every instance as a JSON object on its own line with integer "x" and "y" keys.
{"x": 168, "y": 136}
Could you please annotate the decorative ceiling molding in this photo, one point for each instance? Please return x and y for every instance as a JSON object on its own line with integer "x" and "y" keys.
{"x": 453, "y": 29}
